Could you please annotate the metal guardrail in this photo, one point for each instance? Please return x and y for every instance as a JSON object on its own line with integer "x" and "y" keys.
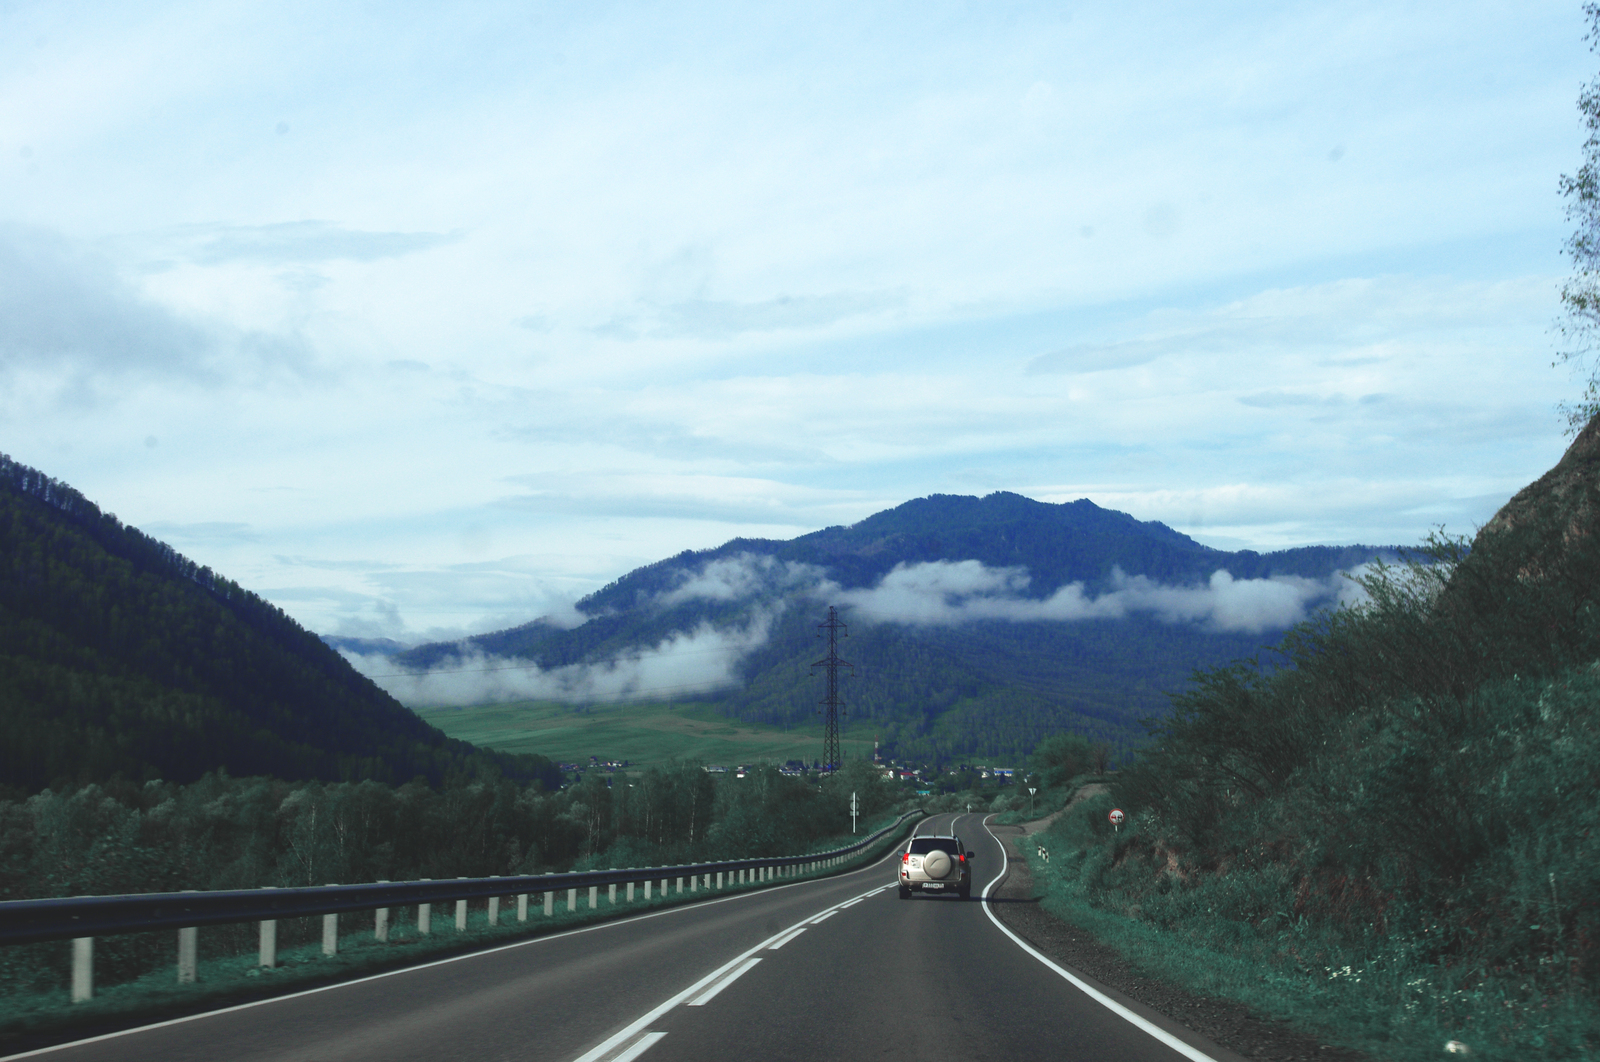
{"x": 31, "y": 921}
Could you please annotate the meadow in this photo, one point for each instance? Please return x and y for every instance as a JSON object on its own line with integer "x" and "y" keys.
{"x": 651, "y": 734}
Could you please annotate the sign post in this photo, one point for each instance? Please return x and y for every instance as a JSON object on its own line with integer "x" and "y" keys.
{"x": 1031, "y": 790}
{"x": 854, "y": 805}
{"x": 1117, "y": 818}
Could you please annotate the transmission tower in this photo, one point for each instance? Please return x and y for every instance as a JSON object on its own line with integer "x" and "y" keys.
{"x": 831, "y": 756}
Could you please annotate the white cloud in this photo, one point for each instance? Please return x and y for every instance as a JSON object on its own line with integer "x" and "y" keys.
{"x": 686, "y": 664}
{"x": 947, "y": 593}
{"x": 742, "y": 576}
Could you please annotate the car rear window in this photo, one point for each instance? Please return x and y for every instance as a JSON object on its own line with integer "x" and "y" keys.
{"x": 924, "y": 845}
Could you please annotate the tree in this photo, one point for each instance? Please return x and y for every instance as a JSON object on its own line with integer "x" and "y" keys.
{"x": 1580, "y": 295}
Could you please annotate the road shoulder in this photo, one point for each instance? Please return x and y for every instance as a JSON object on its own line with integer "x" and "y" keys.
{"x": 1235, "y": 1029}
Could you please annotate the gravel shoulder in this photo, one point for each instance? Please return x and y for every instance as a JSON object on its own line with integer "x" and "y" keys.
{"x": 1238, "y": 1032}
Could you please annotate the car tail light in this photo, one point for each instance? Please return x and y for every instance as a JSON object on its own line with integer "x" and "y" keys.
{"x": 962, "y": 858}
{"x": 906, "y": 858}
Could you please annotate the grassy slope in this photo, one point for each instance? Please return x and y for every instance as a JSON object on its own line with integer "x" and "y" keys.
{"x": 643, "y": 734}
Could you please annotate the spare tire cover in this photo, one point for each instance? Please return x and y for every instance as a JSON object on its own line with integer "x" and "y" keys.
{"x": 936, "y": 864}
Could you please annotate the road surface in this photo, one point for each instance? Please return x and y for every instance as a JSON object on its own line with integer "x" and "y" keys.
{"x": 838, "y": 969}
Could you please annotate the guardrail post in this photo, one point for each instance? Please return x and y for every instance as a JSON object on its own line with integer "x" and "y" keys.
{"x": 82, "y": 969}
{"x": 647, "y": 892}
{"x": 494, "y": 907}
{"x": 330, "y": 932}
{"x": 611, "y": 892}
{"x": 680, "y": 885}
{"x": 424, "y": 916}
{"x": 549, "y": 903}
{"x": 630, "y": 892}
{"x": 694, "y": 882}
{"x": 188, "y": 946}
{"x": 268, "y": 932}
{"x": 188, "y": 950}
{"x": 522, "y": 907}
{"x": 719, "y": 879}
{"x": 572, "y": 900}
{"x": 461, "y": 916}
{"x": 594, "y": 897}
{"x": 380, "y": 920}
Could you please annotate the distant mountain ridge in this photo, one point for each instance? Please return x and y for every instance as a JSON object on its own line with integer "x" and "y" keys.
{"x": 118, "y": 655}
{"x": 946, "y": 686}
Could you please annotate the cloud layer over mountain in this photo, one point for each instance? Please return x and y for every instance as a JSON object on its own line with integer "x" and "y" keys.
{"x": 930, "y": 594}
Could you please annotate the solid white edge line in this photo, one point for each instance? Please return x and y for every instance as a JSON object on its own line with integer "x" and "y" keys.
{"x": 608, "y": 924}
{"x": 640, "y": 1046}
{"x": 1186, "y": 1050}
{"x": 715, "y": 990}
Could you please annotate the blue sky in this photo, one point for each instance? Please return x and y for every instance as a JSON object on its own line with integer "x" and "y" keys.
{"x": 423, "y": 320}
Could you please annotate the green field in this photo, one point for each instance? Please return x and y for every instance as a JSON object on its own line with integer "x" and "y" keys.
{"x": 642, "y": 734}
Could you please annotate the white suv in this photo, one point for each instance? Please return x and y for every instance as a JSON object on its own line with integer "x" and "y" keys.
{"x": 936, "y": 864}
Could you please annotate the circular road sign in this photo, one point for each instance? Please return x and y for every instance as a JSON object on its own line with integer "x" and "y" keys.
{"x": 1117, "y": 817}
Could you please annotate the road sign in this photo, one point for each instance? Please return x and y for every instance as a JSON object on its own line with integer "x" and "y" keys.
{"x": 1117, "y": 818}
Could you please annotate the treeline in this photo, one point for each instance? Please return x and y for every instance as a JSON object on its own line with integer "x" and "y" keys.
{"x": 1412, "y": 803}
{"x": 120, "y": 656}
{"x": 222, "y": 832}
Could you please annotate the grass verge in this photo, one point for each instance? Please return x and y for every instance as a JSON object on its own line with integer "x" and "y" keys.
{"x": 1375, "y": 995}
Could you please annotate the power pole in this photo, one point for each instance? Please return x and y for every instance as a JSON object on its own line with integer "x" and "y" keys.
{"x": 832, "y": 758}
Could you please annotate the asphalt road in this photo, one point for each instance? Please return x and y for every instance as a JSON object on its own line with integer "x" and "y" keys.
{"x": 833, "y": 969}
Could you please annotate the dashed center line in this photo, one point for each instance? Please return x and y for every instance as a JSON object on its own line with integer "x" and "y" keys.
{"x": 823, "y": 917}
{"x": 711, "y": 993}
{"x": 638, "y": 1047}
{"x": 781, "y": 941}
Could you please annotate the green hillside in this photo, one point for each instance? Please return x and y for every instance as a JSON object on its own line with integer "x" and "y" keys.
{"x": 120, "y": 656}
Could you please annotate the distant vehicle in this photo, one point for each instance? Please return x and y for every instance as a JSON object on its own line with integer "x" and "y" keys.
{"x": 936, "y": 864}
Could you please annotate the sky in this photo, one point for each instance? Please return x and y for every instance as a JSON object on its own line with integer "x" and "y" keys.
{"x": 428, "y": 320}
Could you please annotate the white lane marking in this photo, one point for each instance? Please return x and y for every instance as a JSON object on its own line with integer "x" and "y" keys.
{"x": 640, "y": 1046}
{"x": 781, "y": 941}
{"x": 633, "y": 1028}
{"x": 1194, "y": 1054}
{"x": 711, "y": 993}
{"x": 852, "y": 903}
{"x": 824, "y": 917}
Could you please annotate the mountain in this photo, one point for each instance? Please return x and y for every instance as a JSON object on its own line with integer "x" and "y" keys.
{"x": 120, "y": 656}
{"x": 977, "y": 625}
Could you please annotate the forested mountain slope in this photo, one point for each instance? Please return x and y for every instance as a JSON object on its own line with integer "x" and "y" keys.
{"x": 977, "y": 625}
{"x": 118, "y": 655}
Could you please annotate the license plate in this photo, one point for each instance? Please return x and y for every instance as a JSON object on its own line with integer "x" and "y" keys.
{"x": 933, "y": 885}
